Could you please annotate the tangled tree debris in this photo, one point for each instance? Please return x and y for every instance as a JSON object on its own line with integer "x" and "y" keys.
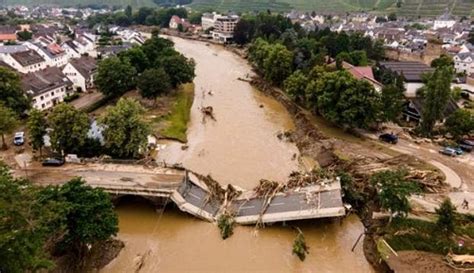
{"x": 226, "y": 223}
{"x": 207, "y": 111}
{"x": 300, "y": 248}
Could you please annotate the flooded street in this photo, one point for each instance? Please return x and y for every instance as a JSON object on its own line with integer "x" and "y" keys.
{"x": 240, "y": 147}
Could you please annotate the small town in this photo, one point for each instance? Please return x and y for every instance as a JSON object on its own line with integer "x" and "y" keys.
{"x": 236, "y": 136}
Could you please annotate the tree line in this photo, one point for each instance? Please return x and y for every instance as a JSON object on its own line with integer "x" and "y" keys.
{"x": 144, "y": 16}
{"x": 38, "y": 224}
{"x": 155, "y": 68}
{"x": 333, "y": 93}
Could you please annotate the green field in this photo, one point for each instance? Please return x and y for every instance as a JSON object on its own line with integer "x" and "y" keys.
{"x": 410, "y": 8}
{"x": 134, "y": 3}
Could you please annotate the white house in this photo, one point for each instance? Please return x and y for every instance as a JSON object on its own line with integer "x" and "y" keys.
{"x": 464, "y": 63}
{"x": 208, "y": 20}
{"x": 53, "y": 54}
{"x": 81, "y": 72}
{"x": 25, "y": 61}
{"x": 224, "y": 27}
{"x": 444, "y": 21}
{"x": 46, "y": 87}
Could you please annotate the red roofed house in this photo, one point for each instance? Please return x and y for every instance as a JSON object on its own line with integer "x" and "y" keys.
{"x": 175, "y": 21}
{"x": 7, "y": 33}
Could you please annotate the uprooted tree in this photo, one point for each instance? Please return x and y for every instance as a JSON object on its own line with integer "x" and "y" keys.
{"x": 300, "y": 248}
{"x": 393, "y": 191}
{"x": 226, "y": 223}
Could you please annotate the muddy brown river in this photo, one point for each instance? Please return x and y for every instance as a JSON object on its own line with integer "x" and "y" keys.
{"x": 240, "y": 147}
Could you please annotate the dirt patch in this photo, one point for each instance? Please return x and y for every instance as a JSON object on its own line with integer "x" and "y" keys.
{"x": 419, "y": 261}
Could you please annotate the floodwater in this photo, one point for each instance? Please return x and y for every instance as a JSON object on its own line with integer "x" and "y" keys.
{"x": 241, "y": 148}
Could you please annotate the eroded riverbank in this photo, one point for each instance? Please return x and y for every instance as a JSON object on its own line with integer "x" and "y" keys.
{"x": 240, "y": 147}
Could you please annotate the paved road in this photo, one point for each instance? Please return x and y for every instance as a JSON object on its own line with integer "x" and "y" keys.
{"x": 199, "y": 198}
{"x": 290, "y": 202}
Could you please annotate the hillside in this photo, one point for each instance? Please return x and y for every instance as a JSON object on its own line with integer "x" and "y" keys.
{"x": 134, "y": 3}
{"x": 411, "y": 8}
{"x": 415, "y": 8}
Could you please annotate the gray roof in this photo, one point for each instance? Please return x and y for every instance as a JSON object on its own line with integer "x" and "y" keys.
{"x": 465, "y": 55}
{"x": 85, "y": 65}
{"x": 28, "y": 57}
{"x": 44, "y": 80}
{"x": 7, "y": 49}
{"x": 412, "y": 71}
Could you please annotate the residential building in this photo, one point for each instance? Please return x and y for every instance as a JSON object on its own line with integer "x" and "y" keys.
{"x": 7, "y": 34}
{"x": 464, "y": 63}
{"x": 208, "y": 20}
{"x": 81, "y": 72}
{"x": 53, "y": 54}
{"x": 412, "y": 73}
{"x": 414, "y": 109}
{"x": 25, "y": 61}
{"x": 224, "y": 28}
{"x": 46, "y": 87}
{"x": 444, "y": 21}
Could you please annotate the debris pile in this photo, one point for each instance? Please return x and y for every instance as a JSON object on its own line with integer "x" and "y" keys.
{"x": 207, "y": 111}
{"x": 226, "y": 223}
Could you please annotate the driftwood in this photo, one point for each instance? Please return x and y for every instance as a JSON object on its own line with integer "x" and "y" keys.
{"x": 208, "y": 111}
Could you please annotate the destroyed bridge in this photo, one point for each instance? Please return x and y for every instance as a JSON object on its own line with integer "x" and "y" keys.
{"x": 193, "y": 196}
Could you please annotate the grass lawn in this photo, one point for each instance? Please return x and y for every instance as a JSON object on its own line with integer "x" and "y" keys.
{"x": 175, "y": 123}
{"x": 411, "y": 234}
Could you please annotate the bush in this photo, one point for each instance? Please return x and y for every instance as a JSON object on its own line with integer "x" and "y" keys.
{"x": 71, "y": 97}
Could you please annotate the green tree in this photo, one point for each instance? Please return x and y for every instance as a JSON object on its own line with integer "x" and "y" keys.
{"x": 244, "y": 30}
{"x": 300, "y": 249}
{"x": 393, "y": 102}
{"x": 295, "y": 86}
{"x": 258, "y": 53}
{"x": 392, "y": 16}
{"x": 37, "y": 129}
{"x": 443, "y": 60}
{"x": 460, "y": 123}
{"x": 24, "y": 35}
{"x": 279, "y": 64}
{"x": 343, "y": 57}
{"x": 128, "y": 11}
{"x": 446, "y": 217}
{"x": 115, "y": 76}
{"x": 25, "y": 225}
{"x": 8, "y": 121}
{"x": 437, "y": 92}
{"x": 345, "y": 101}
{"x": 11, "y": 92}
{"x": 359, "y": 58}
{"x": 153, "y": 82}
{"x": 136, "y": 57}
{"x": 125, "y": 132}
{"x": 394, "y": 190}
{"x": 70, "y": 127}
{"x": 179, "y": 69}
{"x": 90, "y": 217}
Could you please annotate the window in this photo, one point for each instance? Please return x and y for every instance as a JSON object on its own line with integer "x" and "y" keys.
{"x": 42, "y": 98}
{"x": 52, "y": 93}
{"x": 42, "y": 105}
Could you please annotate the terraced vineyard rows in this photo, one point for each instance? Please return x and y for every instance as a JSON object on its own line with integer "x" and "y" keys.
{"x": 415, "y": 8}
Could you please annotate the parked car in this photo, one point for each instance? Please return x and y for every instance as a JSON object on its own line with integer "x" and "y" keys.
{"x": 466, "y": 148}
{"x": 467, "y": 142}
{"x": 19, "y": 138}
{"x": 448, "y": 151}
{"x": 53, "y": 161}
{"x": 390, "y": 138}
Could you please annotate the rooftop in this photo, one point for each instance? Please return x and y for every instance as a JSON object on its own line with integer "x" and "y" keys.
{"x": 85, "y": 65}
{"x": 28, "y": 57}
{"x": 411, "y": 71}
{"x": 44, "y": 80}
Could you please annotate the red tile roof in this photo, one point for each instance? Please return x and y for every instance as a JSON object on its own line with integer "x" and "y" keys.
{"x": 8, "y": 37}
